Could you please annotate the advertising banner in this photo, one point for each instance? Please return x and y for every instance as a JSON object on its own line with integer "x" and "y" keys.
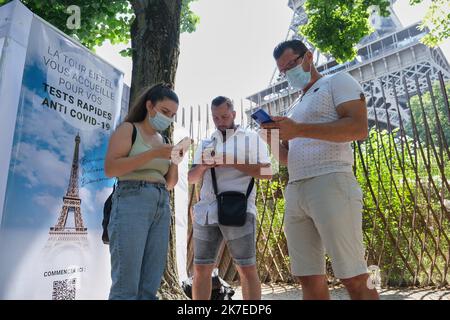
{"x": 50, "y": 232}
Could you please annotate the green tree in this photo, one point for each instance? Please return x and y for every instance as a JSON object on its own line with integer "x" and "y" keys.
{"x": 154, "y": 27}
{"x": 436, "y": 20}
{"x": 336, "y": 26}
{"x": 422, "y": 109}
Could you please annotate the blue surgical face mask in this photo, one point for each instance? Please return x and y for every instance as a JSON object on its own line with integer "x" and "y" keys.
{"x": 159, "y": 122}
{"x": 297, "y": 77}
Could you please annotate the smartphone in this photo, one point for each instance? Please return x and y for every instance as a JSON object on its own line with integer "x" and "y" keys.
{"x": 184, "y": 144}
{"x": 260, "y": 116}
{"x": 208, "y": 151}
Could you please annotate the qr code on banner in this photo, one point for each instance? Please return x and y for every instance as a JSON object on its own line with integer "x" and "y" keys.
{"x": 64, "y": 289}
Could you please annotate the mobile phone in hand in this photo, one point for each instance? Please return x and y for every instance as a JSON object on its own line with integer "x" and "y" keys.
{"x": 180, "y": 149}
{"x": 260, "y": 116}
{"x": 183, "y": 145}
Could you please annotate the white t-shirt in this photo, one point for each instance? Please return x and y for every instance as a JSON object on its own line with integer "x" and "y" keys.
{"x": 229, "y": 179}
{"x": 307, "y": 157}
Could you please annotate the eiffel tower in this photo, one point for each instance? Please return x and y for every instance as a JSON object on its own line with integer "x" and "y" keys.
{"x": 72, "y": 203}
{"x": 387, "y": 56}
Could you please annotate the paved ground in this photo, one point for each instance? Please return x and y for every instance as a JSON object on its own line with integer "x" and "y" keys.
{"x": 289, "y": 292}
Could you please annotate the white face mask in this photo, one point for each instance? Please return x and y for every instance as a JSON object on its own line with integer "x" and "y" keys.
{"x": 297, "y": 77}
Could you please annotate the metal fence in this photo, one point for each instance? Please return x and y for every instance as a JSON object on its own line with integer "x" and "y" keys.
{"x": 402, "y": 168}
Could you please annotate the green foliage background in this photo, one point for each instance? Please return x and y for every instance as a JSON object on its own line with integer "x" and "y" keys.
{"x": 101, "y": 20}
{"x": 405, "y": 222}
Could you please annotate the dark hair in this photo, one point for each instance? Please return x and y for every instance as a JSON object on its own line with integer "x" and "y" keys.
{"x": 296, "y": 45}
{"x": 217, "y": 101}
{"x": 158, "y": 92}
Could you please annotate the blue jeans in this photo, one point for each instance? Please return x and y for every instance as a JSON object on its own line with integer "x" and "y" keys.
{"x": 139, "y": 237}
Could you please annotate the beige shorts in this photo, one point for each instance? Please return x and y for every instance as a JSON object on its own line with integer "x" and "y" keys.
{"x": 324, "y": 214}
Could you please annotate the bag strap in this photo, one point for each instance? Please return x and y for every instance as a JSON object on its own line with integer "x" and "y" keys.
{"x": 214, "y": 182}
{"x": 250, "y": 187}
{"x": 133, "y": 136}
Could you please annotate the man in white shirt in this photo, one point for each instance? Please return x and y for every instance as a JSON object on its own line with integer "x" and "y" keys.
{"x": 323, "y": 210}
{"x": 239, "y": 156}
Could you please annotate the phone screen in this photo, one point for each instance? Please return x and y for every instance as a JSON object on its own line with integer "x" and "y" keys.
{"x": 261, "y": 117}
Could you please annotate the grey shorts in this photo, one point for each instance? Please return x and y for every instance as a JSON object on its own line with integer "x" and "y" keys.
{"x": 241, "y": 242}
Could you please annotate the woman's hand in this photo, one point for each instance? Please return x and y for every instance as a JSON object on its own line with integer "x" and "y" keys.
{"x": 164, "y": 152}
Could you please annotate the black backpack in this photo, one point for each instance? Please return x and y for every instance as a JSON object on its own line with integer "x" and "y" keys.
{"x": 220, "y": 289}
{"x": 108, "y": 203}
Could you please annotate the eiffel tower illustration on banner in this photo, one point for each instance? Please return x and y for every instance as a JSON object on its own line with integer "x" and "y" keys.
{"x": 71, "y": 203}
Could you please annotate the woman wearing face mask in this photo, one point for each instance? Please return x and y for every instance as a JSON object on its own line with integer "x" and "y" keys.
{"x": 140, "y": 215}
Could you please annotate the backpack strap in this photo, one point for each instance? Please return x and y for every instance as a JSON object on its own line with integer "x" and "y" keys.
{"x": 133, "y": 136}
{"x": 165, "y": 139}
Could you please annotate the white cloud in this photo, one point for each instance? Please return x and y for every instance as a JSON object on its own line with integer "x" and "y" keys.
{"x": 87, "y": 201}
{"x": 102, "y": 195}
{"x": 55, "y": 131}
{"x": 92, "y": 201}
{"x": 51, "y": 203}
{"x": 40, "y": 166}
{"x": 46, "y": 161}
